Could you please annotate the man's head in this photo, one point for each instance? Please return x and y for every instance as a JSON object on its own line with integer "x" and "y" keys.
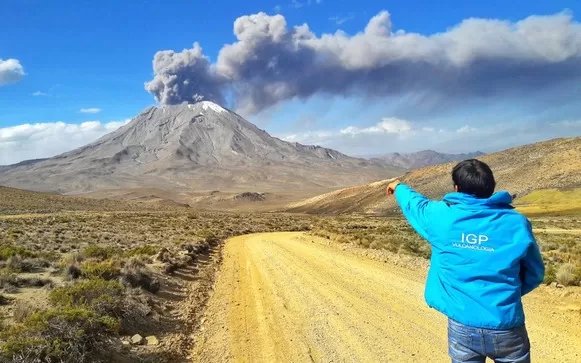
{"x": 474, "y": 177}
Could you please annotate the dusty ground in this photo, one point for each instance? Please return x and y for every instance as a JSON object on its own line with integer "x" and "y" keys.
{"x": 288, "y": 297}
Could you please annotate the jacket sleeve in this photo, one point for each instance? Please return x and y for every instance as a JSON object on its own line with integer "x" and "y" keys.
{"x": 417, "y": 209}
{"x": 532, "y": 269}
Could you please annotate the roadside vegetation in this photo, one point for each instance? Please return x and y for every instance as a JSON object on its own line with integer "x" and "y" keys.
{"x": 559, "y": 238}
{"x": 111, "y": 286}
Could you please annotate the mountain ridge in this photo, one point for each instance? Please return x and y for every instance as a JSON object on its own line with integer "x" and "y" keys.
{"x": 424, "y": 158}
{"x": 554, "y": 164}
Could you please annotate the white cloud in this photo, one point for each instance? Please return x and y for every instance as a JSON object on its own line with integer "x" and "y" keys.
{"x": 310, "y": 137}
{"x": 389, "y": 125}
{"x": 90, "y": 110}
{"x": 11, "y": 71}
{"x": 41, "y": 140}
{"x": 39, "y": 93}
{"x": 396, "y": 135}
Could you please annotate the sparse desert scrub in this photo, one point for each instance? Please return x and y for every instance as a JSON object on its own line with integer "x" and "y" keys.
{"x": 392, "y": 234}
{"x": 115, "y": 261}
{"x": 106, "y": 269}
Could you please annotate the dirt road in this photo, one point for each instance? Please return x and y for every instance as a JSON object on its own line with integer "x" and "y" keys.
{"x": 287, "y": 297}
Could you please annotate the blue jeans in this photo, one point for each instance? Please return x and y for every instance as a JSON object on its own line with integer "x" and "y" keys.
{"x": 467, "y": 344}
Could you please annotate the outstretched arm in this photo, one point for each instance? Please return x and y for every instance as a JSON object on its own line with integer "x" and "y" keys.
{"x": 415, "y": 207}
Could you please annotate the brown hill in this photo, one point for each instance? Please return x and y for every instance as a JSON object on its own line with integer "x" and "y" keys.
{"x": 17, "y": 201}
{"x": 554, "y": 164}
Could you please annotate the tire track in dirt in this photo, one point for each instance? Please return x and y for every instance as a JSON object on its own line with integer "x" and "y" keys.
{"x": 287, "y": 297}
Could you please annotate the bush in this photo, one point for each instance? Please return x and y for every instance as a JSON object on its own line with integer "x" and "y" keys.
{"x": 4, "y": 300}
{"x": 22, "y": 311}
{"x": 135, "y": 312}
{"x": 142, "y": 251}
{"x": 74, "y": 258}
{"x": 9, "y": 282}
{"x": 17, "y": 264}
{"x": 14, "y": 263}
{"x": 102, "y": 270}
{"x": 100, "y": 253}
{"x": 135, "y": 274}
{"x": 8, "y": 250}
{"x": 98, "y": 295}
{"x": 566, "y": 274}
{"x": 72, "y": 272}
{"x": 59, "y": 335}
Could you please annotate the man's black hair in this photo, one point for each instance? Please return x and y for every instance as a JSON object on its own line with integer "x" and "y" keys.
{"x": 474, "y": 177}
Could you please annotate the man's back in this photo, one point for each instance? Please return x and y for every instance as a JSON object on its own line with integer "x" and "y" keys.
{"x": 478, "y": 246}
{"x": 484, "y": 259}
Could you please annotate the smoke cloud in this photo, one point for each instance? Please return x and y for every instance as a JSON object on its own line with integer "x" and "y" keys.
{"x": 270, "y": 62}
{"x": 186, "y": 76}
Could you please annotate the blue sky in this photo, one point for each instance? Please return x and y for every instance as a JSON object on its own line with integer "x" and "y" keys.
{"x": 89, "y": 61}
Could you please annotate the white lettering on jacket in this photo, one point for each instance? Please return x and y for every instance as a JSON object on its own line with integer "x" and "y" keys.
{"x": 473, "y": 242}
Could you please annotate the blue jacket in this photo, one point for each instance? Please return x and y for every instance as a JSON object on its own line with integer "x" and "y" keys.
{"x": 484, "y": 256}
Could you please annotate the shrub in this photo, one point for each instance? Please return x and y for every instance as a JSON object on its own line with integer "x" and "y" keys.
{"x": 210, "y": 237}
{"x": 98, "y": 295}
{"x": 17, "y": 264}
{"x": 566, "y": 274}
{"x": 4, "y": 300}
{"x": 22, "y": 311}
{"x": 135, "y": 312}
{"x": 103, "y": 270}
{"x": 170, "y": 268}
{"x": 8, "y": 282}
{"x": 135, "y": 274}
{"x": 59, "y": 335}
{"x": 8, "y": 250}
{"x": 72, "y": 272}
{"x": 99, "y": 252}
{"x": 148, "y": 250}
{"x": 14, "y": 263}
{"x": 74, "y": 258}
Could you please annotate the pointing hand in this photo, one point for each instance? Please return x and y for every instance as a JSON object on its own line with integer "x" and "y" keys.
{"x": 391, "y": 187}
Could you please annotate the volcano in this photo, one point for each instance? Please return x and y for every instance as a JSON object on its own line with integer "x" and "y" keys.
{"x": 194, "y": 147}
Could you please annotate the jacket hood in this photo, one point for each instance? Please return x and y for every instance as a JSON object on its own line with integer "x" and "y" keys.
{"x": 497, "y": 200}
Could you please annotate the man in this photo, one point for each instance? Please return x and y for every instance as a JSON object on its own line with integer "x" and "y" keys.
{"x": 484, "y": 259}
